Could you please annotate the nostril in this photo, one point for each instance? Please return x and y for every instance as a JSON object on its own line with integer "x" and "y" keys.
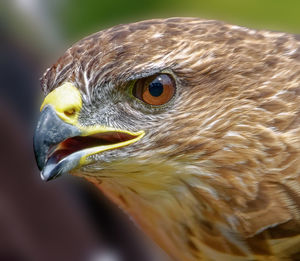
{"x": 70, "y": 112}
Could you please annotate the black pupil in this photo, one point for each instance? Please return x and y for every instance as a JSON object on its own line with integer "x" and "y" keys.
{"x": 156, "y": 88}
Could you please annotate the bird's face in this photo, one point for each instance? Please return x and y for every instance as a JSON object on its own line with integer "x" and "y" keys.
{"x": 188, "y": 124}
{"x": 122, "y": 100}
{"x": 161, "y": 101}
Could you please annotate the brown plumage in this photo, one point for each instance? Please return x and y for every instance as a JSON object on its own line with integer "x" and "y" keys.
{"x": 216, "y": 176}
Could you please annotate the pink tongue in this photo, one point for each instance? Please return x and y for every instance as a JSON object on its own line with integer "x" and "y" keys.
{"x": 77, "y": 143}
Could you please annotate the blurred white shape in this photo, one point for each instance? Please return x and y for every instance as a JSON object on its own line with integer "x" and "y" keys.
{"x": 27, "y": 5}
{"x": 106, "y": 255}
{"x": 35, "y": 22}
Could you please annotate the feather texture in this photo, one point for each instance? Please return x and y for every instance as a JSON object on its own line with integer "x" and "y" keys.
{"x": 216, "y": 176}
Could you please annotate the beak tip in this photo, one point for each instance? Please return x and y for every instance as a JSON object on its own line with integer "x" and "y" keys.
{"x": 48, "y": 173}
{"x": 50, "y": 131}
{"x": 45, "y": 177}
{"x": 48, "y": 176}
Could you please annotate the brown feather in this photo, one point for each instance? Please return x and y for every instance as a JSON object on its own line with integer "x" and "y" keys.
{"x": 217, "y": 176}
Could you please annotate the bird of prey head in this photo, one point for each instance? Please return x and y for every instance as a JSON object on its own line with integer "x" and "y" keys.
{"x": 191, "y": 126}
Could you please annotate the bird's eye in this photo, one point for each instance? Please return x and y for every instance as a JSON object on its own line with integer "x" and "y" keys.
{"x": 155, "y": 90}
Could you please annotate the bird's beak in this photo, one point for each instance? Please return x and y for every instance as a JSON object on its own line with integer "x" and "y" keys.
{"x": 61, "y": 144}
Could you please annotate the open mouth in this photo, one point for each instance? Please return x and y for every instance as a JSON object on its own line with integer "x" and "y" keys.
{"x": 107, "y": 140}
{"x": 75, "y": 151}
{"x": 61, "y": 147}
{"x": 61, "y": 144}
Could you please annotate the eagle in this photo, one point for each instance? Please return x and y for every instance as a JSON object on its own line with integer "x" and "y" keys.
{"x": 191, "y": 126}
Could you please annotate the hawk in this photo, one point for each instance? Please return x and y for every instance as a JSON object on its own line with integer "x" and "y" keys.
{"x": 191, "y": 126}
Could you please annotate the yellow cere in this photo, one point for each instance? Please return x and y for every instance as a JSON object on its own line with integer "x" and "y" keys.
{"x": 67, "y": 102}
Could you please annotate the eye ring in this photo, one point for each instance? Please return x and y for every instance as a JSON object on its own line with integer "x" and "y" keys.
{"x": 156, "y": 90}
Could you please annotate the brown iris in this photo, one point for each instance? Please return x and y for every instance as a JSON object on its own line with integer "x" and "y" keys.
{"x": 155, "y": 90}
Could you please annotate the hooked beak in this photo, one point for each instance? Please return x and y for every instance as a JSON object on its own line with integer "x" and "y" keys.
{"x": 50, "y": 131}
{"x": 61, "y": 144}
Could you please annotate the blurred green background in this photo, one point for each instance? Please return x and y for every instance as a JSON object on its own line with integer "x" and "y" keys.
{"x": 266, "y": 14}
{"x": 56, "y": 23}
{"x": 68, "y": 219}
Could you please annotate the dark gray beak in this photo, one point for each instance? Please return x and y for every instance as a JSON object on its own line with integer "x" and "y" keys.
{"x": 50, "y": 131}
